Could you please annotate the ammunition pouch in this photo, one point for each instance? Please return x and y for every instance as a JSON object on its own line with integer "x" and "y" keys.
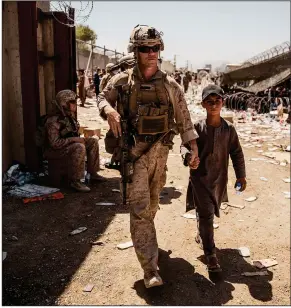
{"x": 152, "y": 125}
{"x": 111, "y": 142}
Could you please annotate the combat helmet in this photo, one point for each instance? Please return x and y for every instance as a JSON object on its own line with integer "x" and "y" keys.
{"x": 144, "y": 35}
{"x": 109, "y": 66}
{"x": 127, "y": 60}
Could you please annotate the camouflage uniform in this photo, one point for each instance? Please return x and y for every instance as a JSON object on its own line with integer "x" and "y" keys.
{"x": 106, "y": 77}
{"x": 149, "y": 174}
{"x": 60, "y": 129}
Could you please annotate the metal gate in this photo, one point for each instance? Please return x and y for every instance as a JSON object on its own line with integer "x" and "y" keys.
{"x": 47, "y": 64}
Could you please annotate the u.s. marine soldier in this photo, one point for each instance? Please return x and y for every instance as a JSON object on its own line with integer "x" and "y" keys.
{"x": 156, "y": 105}
{"x": 63, "y": 140}
{"x": 109, "y": 74}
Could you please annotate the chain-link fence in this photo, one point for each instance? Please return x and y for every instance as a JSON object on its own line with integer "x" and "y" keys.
{"x": 89, "y": 56}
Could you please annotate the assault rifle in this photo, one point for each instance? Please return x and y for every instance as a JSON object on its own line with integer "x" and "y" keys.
{"x": 126, "y": 141}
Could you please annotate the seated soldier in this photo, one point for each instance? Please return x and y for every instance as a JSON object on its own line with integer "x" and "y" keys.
{"x": 63, "y": 140}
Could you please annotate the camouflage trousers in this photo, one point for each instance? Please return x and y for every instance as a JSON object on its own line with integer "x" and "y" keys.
{"x": 149, "y": 177}
{"x": 76, "y": 153}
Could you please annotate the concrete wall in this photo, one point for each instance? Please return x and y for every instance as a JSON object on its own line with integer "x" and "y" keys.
{"x": 168, "y": 67}
{"x": 82, "y": 58}
{"x": 12, "y": 111}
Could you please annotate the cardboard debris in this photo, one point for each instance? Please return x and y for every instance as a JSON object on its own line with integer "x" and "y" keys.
{"x": 126, "y": 245}
{"x": 244, "y": 251}
{"x": 265, "y": 263}
{"x": 236, "y": 206}
{"x": 79, "y": 230}
{"x": 97, "y": 243}
{"x": 263, "y": 179}
{"x": 189, "y": 216}
{"x": 105, "y": 203}
{"x": 250, "y": 274}
{"x": 251, "y": 199}
{"x": 88, "y": 288}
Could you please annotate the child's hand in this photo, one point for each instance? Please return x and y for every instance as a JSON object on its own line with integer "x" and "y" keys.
{"x": 193, "y": 162}
{"x": 243, "y": 183}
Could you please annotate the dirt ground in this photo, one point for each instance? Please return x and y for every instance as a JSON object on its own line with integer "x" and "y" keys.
{"x": 47, "y": 266}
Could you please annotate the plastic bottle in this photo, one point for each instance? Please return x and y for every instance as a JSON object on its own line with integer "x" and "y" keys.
{"x": 237, "y": 188}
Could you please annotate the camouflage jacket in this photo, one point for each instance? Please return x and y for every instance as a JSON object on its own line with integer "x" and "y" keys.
{"x": 107, "y": 100}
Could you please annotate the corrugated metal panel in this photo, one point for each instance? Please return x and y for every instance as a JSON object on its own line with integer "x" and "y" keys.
{"x": 269, "y": 82}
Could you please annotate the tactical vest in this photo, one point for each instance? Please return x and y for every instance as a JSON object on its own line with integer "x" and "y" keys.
{"x": 149, "y": 105}
{"x": 69, "y": 127}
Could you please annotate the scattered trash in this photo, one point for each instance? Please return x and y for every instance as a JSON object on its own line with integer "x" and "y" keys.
{"x": 287, "y": 194}
{"x": 125, "y": 245}
{"x": 189, "y": 216}
{"x": 105, "y": 203}
{"x": 79, "y": 230}
{"x": 240, "y": 220}
{"x": 31, "y": 190}
{"x": 55, "y": 196}
{"x": 251, "y": 199}
{"x": 224, "y": 205}
{"x": 287, "y": 180}
{"x": 14, "y": 238}
{"x": 263, "y": 179}
{"x": 16, "y": 175}
{"x": 4, "y": 255}
{"x": 115, "y": 190}
{"x": 250, "y": 274}
{"x": 215, "y": 226}
{"x": 97, "y": 243}
{"x": 283, "y": 163}
{"x": 260, "y": 151}
{"x": 287, "y": 149}
{"x": 244, "y": 251}
{"x": 88, "y": 288}
{"x": 264, "y": 263}
{"x": 236, "y": 206}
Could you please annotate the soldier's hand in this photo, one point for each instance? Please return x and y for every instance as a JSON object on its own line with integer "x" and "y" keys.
{"x": 77, "y": 140}
{"x": 113, "y": 119}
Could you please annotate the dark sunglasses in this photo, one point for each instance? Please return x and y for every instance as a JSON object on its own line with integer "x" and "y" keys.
{"x": 147, "y": 49}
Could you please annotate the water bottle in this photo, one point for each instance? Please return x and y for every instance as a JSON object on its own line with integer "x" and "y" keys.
{"x": 237, "y": 188}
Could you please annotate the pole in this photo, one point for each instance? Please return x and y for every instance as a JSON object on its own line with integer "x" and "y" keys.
{"x": 104, "y": 56}
{"x": 92, "y": 64}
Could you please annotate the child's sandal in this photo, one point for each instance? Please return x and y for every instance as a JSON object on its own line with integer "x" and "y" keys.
{"x": 212, "y": 264}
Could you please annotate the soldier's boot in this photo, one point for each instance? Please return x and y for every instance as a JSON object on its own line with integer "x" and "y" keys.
{"x": 77, "y": 185}
{"x": 152, "y": 279}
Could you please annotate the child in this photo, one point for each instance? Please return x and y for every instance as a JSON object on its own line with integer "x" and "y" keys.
{"x": 207, "y": 186}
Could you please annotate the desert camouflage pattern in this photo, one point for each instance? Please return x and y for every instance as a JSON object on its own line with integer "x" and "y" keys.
{"x": 144, "y": 35}
{"x": 58, "y": 146}
{"x": 150, "y": 170}
{"x": 143, "y": 195}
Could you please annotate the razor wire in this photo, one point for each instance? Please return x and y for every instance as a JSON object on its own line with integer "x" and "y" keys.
{"x": 82, "y": 11}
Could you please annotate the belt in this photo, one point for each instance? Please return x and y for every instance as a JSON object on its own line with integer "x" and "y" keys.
{"x": 147, "y": 138}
